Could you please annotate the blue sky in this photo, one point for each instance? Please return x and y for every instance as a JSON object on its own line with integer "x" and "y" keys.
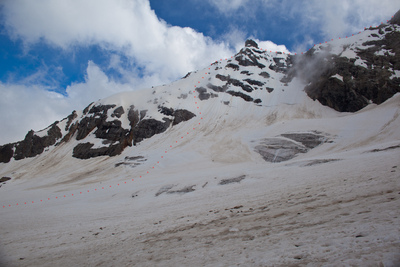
{"x": 59, "y": 55}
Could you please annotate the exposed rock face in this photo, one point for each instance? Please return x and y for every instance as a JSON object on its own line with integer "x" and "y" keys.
{"x": 264, "y": 74}
{"x": 88, "y": 123}
{"x": 114, "y": 136}
{"x": 102, "y": 122}
{"x": 149, "y": 127}
{"x": 233, "y": 66}
{"x": 250, "y": 43}
{"x": 4, "y": 179}
{"x": 70, "y": 118}
{"x": 240, "y": 94}
{"x": 85, "y": 151}
{"x": 203, "y": 95}
{"x": 280, "y": 149}
{"x": 31, "y": 146}
{"x": 358, "y": 85}
{"x": 277, "y": 149}
{"x": 247, "y": 57}
{"x": 181, "y": 115}
{"x": 118, "y": 112}
{"x": 279, "y": 65}
{"x": 232, "y": 180}
{"x": 6, "y": 153}
{"x": 254, "y": 82}
{"x": 131, "y": 161}
{"x": 396, "y": 18}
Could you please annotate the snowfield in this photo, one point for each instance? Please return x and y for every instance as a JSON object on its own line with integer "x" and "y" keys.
{"x": 304, "y": 212}
{"x": 199, "y": 194}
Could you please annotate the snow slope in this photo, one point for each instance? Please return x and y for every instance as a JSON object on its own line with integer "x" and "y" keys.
{"x": 199, "y": 194}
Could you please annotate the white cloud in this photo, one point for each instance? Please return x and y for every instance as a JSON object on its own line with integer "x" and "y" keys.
{"x": 343, "y": 17}
{"x": 130, "y": 27}
{"x": 235, "y": 37}
{"x": 270, "y": 46}
{"x": 25, "y": 107}
{"x": 332, "y": 19}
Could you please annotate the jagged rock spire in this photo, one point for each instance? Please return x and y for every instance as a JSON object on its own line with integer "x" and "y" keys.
{"x": 251, "y": 43}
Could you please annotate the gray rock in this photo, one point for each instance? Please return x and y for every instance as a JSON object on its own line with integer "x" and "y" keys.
{"x": 246, "y": 72}
{"x": 148, "y": 127}
{"x": 309, "y": 140}
{"x": 396, "y": 18}
{"x": 70, "y": 118}
{"x": 233, "y": 66}
{"x": 6, "y": 153}
{"x": 254, "y": 82}
{"x": 250, "y": 43}
{"x": 217, "y": 88}
{"x": 34, "y": 145}
{"x": 264, "y": 74}
{"x": 181, "y": 115}
{"x": 164, "y": 189}
{"x": 246, "y": 56}
{"x": 203, "y": 95}
{"x": 131, "y": 161}
{"x": 241, "y": 95}
{"x": 4, "y": 179}
{"x": 360, "y": 85}
{"x": 184, "y": 190}
{"x": 232, "y": 180}
{"x": 85, "y": 151}
{"x": 280, "y": 149}
{"x": 118, "y": 112}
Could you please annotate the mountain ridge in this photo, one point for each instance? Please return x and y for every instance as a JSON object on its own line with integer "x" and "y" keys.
{"x": 346, "y": 80}
{"x": 279, "y": 181}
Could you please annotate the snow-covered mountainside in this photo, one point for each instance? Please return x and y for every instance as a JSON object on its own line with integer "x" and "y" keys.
{"x": 262, "y": 159}
{"x": 345, "y": 75}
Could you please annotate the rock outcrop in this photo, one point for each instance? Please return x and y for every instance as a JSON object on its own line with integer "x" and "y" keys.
{"x": 96, "y": 122}
{"x": 346, "y": 86}
{"x": 287, "y": 146}
{"x": 31, "y": 146}
{"x": 114, "y": 137}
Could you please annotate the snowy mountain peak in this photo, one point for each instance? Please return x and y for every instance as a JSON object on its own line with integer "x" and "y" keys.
{"x": 345, "y": 75}
{"x": 263, "y": 159}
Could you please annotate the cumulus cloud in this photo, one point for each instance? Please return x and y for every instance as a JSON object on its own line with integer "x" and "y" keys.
{"x": 331, "y": 18}
{"x": 25, "y": 107}
{"x": 235, "y": 37}
{"x": 130, "y": 27}
{"x": 270, "y": 46}
{"x": 343, "y": 17}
